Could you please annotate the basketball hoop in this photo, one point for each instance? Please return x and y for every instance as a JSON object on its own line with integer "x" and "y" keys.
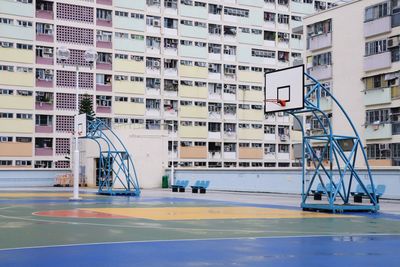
{"x": 279, "y": 102}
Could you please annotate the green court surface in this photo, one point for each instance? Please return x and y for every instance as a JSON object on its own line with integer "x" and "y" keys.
{"x": 47, "y": 219}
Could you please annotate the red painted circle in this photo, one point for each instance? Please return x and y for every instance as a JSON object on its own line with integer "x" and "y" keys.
{"x": 78, "y": 214}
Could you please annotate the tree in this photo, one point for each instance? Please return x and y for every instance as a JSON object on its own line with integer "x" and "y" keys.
{"x": 86, "y": 106}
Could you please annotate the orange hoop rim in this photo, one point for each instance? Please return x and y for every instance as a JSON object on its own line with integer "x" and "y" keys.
{"x": 280, "y": 102}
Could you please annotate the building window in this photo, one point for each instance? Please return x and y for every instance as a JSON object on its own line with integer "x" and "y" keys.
{"x": 375, "y": 47}
{"x": 377, "y": 11}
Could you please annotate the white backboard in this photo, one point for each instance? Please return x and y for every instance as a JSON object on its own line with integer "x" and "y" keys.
{"x": 80, "y": 125}
{"x": 286, "y": 85}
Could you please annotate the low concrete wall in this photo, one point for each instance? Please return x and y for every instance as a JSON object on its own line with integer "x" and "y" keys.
{"x": 29, "y": 178}
{"x": 278, "y": 181}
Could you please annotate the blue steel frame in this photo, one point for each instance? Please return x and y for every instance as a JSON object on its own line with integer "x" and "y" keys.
{"x": 115, "y": 162}
{"x": 342, "y": 168}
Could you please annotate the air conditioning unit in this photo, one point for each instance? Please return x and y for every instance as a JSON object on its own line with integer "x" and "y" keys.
{"x": 393, "y": 42}
{"x": 48, "y": 26}
{"x": 284, "y": 137}
{"x": 48, "y": 71}
{"x": 156, "y": 63}
{"x": 168, "y": 60}
{"x": 225, "y": 86}
{"x": 383, "y": 146}
{"x": 156, "y": 23}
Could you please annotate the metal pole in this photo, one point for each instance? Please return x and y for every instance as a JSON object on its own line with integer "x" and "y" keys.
{"x": 76, "y": 151}
{"x": 173, "y": 150}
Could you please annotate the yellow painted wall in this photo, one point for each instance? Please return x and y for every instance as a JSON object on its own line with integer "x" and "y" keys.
{"x": 193, "y": 112}
{"x": 16, "y": 102}
{"x": 250, "y": 76}
{"x": 251, "y": 95}
{"x": 193, "y": 72}
{"x": 193, "y": 131}
{"x": 16, "y": 149}
{"x": 16, "y": 126}
{"x": 250, "y": 153}
{"x": 129, "y": 87}
{"x": 129, "y": 65}
{"x": 193, "y": 152}
{"x": 251, "y": 134}
{"x": 17, "y": 78}
{"x": 250, "y": 115}
{"x": 17, "y": 55}
{"x": 128, "y": 108}
{"x": 193, "y": 91}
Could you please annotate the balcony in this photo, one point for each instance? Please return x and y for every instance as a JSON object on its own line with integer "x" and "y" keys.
{"x": 104, "y": 2}
{"x": 378, "y": 131}
{"x": 104, "y": 65}
{"x": 45, "y": 60}
{"x": 44, "y": 105}
{"x": 43, "y": 151}
{"x": 105, "y": 21}
{"x": 44, "y": 83}
{"x": 377, "y": 96}
{"x": 45, "y": 14}
{"x": 104, "y": 44}
{"x": 104, "y": 87}
{"x": 284, "y": 156}
{"x": 229, "y": 155}
{"x": 45, "y": 37}
{"x": 378, "y": 26}
{"x": 319, "y": 41}
{"x": 214, "y": 155}
{"x": 44, "y": 129}
{"x": 103, "y": 109}
{"x": 321, "y": 72}
{"x": 214, "y": 135}
{"x": 378, "y": 61}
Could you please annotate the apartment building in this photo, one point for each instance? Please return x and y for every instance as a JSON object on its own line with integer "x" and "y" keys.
{"x": 196, "y": 65}
{"x": 359, "y": 61}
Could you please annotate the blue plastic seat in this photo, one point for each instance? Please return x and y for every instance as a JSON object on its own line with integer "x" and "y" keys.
{"x": 380, "y": 189}
{"x": 206, "y": 184}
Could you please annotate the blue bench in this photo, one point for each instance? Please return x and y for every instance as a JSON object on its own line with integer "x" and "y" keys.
{"x": 200, "y": 186}
{"x": 180, "y": 185}
{"x": 360, "y": 193}
{"x": 321, "y": 191}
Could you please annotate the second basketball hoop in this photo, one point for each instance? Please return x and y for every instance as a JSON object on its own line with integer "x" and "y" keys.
{"x": 284, "y": 89}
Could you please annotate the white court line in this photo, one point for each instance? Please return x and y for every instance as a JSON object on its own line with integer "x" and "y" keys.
{"x": 140, "y": 226}
{"x": 205, "y": 239}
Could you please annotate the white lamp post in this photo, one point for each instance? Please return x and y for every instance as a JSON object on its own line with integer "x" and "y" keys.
{"x": 63, "y": 54}
{"x": 173, "y": 150}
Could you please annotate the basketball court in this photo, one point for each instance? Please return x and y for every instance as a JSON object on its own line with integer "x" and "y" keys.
{"x": 160, "y": 228}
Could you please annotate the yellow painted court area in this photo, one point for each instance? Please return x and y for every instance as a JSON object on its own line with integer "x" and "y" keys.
{"x": 41, "y": 194}
{"x": 211, "y": 213}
